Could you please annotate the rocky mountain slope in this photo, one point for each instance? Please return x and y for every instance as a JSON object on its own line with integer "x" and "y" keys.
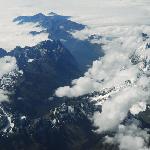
{"x": 60, "y": 28}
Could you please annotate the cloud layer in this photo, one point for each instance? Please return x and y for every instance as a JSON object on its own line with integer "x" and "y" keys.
{"x": 12, "y": 35}
{"x": 93, "y": 13}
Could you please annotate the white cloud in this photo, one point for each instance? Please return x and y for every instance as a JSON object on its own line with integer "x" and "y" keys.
{"x": 81, "y": 86}
{"x": 3, "y": 96}
{"x": 18, "y": 35}
{"x": 115, "y": 110}
{"x": 139, "y": 107}
{"x": 95, "y": 13}
{"x": 7, "y": 64}
{"x": 130, "y": 137}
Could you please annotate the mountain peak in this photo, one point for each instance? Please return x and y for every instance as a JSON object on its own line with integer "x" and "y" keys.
{"x": 52, "y": 14}
{"x": 39, "y": 15}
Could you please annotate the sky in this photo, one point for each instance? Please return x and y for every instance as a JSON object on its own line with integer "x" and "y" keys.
{"x": 121, "y": 23}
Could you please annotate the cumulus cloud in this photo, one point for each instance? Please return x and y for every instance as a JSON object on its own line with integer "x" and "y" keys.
{"x": 115, "y": 110}
{"x": 7, "y": 64}
{"x": 81, "y": 86}
{"x": 130, "y": 137}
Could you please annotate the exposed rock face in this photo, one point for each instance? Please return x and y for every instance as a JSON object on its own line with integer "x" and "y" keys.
{"x": 60, "y": 28}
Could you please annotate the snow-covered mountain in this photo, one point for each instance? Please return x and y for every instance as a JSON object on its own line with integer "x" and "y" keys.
{"x": 75, "y": 83}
